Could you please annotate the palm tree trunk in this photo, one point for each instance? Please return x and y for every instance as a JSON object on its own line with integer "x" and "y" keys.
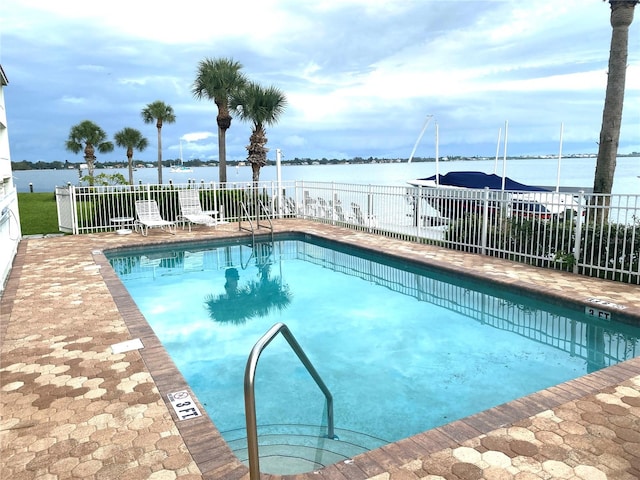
{"x": 621, "y": 18}
{"x": 255, "y": 170}
{"x": 130, "y": 161}
{"x": 89, "y": 159}
{"x": 257, "y": 151}
{"x": 222, "y": 149}
{"x": 160, "y": 155}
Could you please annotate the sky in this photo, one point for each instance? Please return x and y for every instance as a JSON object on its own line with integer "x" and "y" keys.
{"x": 361, "y": 77}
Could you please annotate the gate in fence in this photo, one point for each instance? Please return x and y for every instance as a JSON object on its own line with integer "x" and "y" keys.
{"x": 64, "y": 204}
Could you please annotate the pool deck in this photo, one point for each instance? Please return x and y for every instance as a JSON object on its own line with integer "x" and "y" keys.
{"x": 71, "y": 408}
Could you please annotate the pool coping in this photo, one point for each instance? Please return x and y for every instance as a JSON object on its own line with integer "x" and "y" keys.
{"x": 216, "y": 460}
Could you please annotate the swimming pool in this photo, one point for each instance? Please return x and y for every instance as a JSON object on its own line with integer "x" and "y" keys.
{"x": 413, "y": 348}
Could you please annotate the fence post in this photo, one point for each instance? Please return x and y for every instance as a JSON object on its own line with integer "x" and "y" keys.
{"x": 74, "y": 209}
{"x": 333, "y": 203}
{"x": 370, "y": 216}
{"x": 485, "y": 221}
{"x": 577, "y": 246}
{"x": 417, "y": 214}
{"x": 303, "y": 200}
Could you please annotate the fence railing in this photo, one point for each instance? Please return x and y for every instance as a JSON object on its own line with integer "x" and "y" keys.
{"x": 595, "y": 235}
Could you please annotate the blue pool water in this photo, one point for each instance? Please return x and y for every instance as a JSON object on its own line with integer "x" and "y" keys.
{"x": 402, "y": 349}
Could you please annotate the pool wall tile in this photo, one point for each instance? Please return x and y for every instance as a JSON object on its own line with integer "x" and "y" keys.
{"x": 432, "y": 441}
{"x": 459, "y": 431}
{"x": 344, "y": 470}
{"x": 371, "y": 462}
{"x": 402, "y": 451}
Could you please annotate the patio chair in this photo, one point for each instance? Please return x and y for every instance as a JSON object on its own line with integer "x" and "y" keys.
{"x": 294, "y": 207}
{"x": 149, "y": 217}
{"x": 338, "y": 213}
{"x": 370, "y": 221}
{"x": 323, "y": 209}
{"x": 191, "y": 210}
{"x": 310, "y": 207}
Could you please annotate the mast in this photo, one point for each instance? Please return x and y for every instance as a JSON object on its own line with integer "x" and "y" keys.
{"x": 424, "y": 128}
{"x": 495, "y": 164}
{"x": 437, "y": 170}
{"x": 559, "y": 158}
{"x": 504, "y": 158}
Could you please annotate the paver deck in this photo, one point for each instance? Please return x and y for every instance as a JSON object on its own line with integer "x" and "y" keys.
{"x": 71, "y": 408}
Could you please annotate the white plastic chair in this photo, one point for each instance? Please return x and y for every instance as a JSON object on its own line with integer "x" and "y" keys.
{"x": 369, "y": 221}
{"x": 149, "y": 217}
{"x": 191, "y": 211}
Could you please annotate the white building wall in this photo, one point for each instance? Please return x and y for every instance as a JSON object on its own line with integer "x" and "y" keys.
{"x": 10, "y": 232}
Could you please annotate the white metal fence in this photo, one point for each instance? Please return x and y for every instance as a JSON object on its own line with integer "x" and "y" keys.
{"x": 596, "y": 235}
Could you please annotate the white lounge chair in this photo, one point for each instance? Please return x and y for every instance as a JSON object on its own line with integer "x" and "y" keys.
{"x": 149, "y": 217}
{"x": 191, "y": 211}
{"x": 368, "y": 220}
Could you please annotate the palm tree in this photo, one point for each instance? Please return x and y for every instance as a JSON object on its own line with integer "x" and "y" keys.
{"x": 88, "y": 136}
{"x": 161, "y": 113}
{"x": 621, "y": 18}
{"x": 218, "y": 80}
{"x": 261, "y": 106}
{"x": 131, "y": 139}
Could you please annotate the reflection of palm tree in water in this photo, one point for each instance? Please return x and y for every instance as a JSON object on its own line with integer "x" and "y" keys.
{"x": 257, "y": 299}
{"x": 232, "y": 306}
{"x": 269, "y": 292}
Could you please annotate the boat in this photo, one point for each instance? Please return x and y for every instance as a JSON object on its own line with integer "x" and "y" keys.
{"x": 181, "y": 168}
{"x": 470, "y": 179}
{"x": 526, "y": 200}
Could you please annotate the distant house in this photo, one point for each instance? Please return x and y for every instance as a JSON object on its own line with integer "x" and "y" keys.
{"x": 10, "y": 232}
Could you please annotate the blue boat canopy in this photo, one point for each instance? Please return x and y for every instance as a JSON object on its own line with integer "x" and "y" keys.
{"x": 482, "y": 180}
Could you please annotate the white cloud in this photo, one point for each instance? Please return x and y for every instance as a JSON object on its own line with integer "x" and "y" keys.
{"x": 183, "y": 23}
{"x": 359, "y": 75}
{"x": 196, "y": 136}
{"x": 92, "y": 68}
{"x": 73, "y": 100}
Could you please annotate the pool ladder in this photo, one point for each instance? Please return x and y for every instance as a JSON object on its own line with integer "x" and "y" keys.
{"x": 249, "y": 391}
{"x": 261, "y": 209}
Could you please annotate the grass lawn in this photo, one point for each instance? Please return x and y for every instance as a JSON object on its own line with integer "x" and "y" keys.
{"x": 38, "y": 213}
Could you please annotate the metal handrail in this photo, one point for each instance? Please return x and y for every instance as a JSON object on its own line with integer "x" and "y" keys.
{"x": 265, "y": 213}
{"x": 243, "y": 207}
{"x": 249, "y": 391}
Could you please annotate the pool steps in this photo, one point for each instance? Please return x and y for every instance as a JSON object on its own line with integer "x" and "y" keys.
{"x": 290, "y": 449}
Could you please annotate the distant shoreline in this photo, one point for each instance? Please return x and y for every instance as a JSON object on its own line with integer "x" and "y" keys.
{"x": 573, "y": 172}
{"x": 26, "y": 165}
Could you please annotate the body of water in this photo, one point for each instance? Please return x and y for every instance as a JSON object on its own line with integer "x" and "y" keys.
{"x": 574, "y": 172}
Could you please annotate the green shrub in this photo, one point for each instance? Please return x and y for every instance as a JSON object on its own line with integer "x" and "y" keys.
{"x": 611, "y": 247}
